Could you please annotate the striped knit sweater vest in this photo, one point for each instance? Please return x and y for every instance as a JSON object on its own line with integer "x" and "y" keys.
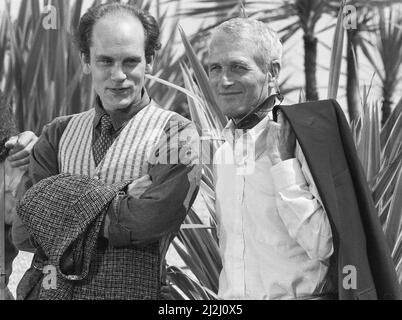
{"x": 122, "y": 273}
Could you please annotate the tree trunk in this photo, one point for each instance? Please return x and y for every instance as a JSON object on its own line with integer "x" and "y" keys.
{"x": 386, "y": 105}
{"x": 310, "y": 66}
{"x": 352, "y": 83}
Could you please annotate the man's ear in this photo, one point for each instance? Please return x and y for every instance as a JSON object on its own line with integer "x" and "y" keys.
{"x": 86, "y": 68}
{"x": 149, "y": 65}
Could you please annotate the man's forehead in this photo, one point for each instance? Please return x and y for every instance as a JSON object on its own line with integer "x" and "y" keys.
{"x": 117, "y": 53}
{"x": 229, "y": 57}
{"x": 122, "y": 31}
{"x": 230, "y": 51}
{"x": 228, "y": 42}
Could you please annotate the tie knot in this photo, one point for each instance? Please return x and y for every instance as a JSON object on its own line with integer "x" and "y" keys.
{"x": 106, "y": 123}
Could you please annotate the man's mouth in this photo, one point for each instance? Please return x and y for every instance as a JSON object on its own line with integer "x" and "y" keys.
{"x": 229, "y": 93}
{"x": 119, "y": 90}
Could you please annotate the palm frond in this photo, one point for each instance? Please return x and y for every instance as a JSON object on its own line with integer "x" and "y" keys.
{"x": 202, "y": 80}
{"x": 336, "y": 56}
{"x": 382, "y": 160}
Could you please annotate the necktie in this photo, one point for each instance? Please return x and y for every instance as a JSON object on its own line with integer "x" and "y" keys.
{"x": 105, "y": 140}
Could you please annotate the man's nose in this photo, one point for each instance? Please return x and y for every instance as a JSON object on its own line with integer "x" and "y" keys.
{"x": 118, "y": 73}
{"x": 226, "y": 80}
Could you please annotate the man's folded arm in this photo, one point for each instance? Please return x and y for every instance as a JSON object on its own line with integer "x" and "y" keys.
{"x": 163, "y": 206}
{"x": 159, "y": 211}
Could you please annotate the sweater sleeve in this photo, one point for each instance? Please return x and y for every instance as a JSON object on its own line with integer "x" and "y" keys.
{"x": 175, "y": 173}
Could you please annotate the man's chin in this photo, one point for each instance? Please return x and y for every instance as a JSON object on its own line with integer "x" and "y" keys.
{"x": 232, "y": 111}
{"x": 118, "y": 104}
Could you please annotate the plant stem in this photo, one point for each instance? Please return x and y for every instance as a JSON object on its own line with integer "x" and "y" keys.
{"x": 310, "y": 66}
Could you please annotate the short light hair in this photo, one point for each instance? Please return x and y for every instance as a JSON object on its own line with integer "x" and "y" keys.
{"x": 268, "y": 47}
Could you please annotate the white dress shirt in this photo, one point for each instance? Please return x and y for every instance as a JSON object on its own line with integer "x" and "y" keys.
{"x": 275, "y": 237}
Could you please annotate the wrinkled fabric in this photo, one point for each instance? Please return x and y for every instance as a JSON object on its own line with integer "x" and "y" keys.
{"x": 64, "y": 215}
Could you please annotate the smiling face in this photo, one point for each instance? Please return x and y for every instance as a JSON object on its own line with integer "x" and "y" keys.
{"x": 239, "y": 83}
{"x": 117, "y": 61}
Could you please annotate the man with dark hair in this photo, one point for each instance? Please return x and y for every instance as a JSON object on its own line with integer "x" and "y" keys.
{"x": 125, "y": 137}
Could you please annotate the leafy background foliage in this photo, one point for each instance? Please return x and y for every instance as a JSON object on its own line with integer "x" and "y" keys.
{"x": 41, "y": 77}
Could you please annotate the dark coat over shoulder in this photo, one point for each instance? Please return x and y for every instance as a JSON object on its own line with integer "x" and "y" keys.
{"x": 359, "y": 242}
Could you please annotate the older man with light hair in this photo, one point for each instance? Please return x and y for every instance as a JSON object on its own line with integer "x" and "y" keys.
{"x": 274, "y": 233}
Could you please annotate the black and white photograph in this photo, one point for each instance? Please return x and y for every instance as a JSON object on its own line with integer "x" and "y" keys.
{"x": 200, "y": 154}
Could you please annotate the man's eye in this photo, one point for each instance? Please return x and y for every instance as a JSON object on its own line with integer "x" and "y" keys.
{"x": 104, "y": 62}
{"x": 132, "y": 62}
{"x": 239, "y": 67}
{"x": 215, "y": 68}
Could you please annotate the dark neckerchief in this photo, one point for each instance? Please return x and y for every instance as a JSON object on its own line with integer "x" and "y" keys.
{"x": 258, "y": 113}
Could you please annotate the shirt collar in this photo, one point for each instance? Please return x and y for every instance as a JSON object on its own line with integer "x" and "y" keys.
{"x": 230, "y": 132}
{"x": 256, "y": 114}
{"x": 119, "y": 119}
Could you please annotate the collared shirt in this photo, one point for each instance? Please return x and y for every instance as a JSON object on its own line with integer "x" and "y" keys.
{"x": 119, "y": 118}
{"x": 275, "y": 237}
